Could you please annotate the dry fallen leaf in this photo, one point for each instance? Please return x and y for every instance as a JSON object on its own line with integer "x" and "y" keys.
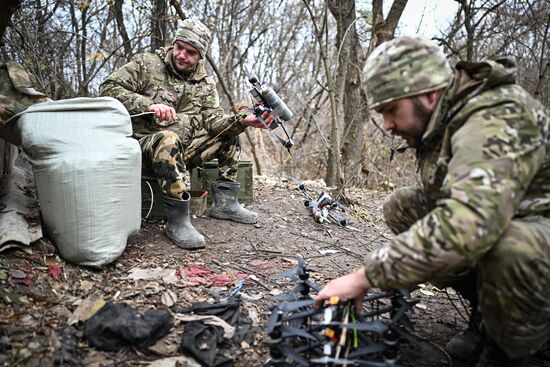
{"x": 167, "y": 345}
{"x": 86, "y": 285}
{"x": 86, "y": 309}
{"x": 169, "y": 298}
{"x": 275, "y": 292}
{"x": 253, "y": 315}
{"x": 427, "y": 292}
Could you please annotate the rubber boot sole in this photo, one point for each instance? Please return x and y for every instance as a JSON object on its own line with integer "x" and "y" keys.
{"x": 243, "y": 220}
{"x": 193, "y": 245}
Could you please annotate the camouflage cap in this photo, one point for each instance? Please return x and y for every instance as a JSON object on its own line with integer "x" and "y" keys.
{"x": 195, "y": 33}
{"x": 405, "y": 67}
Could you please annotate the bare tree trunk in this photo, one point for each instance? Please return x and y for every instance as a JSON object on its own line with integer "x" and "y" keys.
{"x": 158, "y": 24}
{"x": 74, "y": 24}
{"x": 334, "y": 167}
{"x": 83, "y": 54}
{"x": 116, "y": 8}
{"x": 7, "y": 9}
{"x": 384, "y": 30}
{"x": 351, "y": 63}
{"x": 468, "y": 25}
{"x": 544, "y": 66}
{"x": 473, "y": 17}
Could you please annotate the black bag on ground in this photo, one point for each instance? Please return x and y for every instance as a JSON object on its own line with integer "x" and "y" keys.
{"x": 118, "y": 325}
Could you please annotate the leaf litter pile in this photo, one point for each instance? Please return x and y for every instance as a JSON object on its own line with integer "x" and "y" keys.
{"x": 46, "y": 302}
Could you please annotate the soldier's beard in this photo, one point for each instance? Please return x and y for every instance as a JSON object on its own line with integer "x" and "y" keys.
{"x": 421, "y": 116}
{"x": 183, "y": 67}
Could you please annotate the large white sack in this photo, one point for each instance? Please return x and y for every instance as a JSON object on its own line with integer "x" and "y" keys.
{"x": 87, "y": 169}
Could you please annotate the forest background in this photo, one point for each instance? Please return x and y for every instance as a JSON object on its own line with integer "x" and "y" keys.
{"x": 311, "y": 52}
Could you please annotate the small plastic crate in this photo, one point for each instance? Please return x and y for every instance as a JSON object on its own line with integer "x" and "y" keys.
{"x": 152, "y": 201}
{"x": 201, "y": 177}
{"x": 198, "y": 202}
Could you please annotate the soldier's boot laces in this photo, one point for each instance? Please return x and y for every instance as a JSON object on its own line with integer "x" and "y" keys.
{"x": 493, "y": 356}
{"x": 466, "y": 346}
{"x": 226, "y": 203}
{"x": 178, "y": 227}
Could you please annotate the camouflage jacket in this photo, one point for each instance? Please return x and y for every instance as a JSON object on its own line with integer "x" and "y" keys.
{"x": 150, "y": 78}
{"x": 16, "y": 90}
{"x": 484, "y": 159}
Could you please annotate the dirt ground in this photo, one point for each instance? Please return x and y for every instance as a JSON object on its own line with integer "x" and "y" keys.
{"x": 37, "y": 302}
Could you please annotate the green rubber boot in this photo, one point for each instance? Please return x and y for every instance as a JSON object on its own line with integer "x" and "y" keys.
{"x": 178, "y": 227}
{"x": 226, "y": 203}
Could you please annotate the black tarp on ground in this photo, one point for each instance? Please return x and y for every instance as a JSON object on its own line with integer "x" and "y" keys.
{"x": 204, "y": 342}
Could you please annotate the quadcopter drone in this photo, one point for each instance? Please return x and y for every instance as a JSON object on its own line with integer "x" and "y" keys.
{"x": 335, "y": 335}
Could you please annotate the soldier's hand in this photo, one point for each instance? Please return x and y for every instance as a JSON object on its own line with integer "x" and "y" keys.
{"x": 163, "y": 112}
{"x": 253, "y": 121}
{"x": 351, "y": 286}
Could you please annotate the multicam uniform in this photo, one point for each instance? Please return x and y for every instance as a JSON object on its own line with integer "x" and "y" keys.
{"x": 484, "y": 161}
{"x": 16, "y": 91}
{"x": 200, "y": 132}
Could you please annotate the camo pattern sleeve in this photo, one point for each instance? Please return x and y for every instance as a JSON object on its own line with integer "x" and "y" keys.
{"x": 127, "y": 84}
{"x": 494, "y": 156}
{"x": 213, "y": 118}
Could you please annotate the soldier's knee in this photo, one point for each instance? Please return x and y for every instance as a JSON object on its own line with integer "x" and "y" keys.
{"x": 409, "y": 202}
{"x": 402, "y": 195}
{"x": 517, "y": 245}
{"x": 170, "y": 136}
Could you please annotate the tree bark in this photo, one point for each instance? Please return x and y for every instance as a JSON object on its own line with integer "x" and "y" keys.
{"x": 7, "y": 9}
{"x": 384, "y": 30}
{"x": 116, "y": 9}
{"x": 158, "y": 24}
{"x": 350, "y": 86}
{"x": 334, "y": 169}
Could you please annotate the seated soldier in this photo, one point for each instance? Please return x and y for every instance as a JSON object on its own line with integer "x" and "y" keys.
{"x": 187, "y": 127}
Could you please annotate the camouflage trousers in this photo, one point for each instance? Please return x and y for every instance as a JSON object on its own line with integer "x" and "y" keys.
{"x": 513, "y": 278}
{"x": 169, "y": 157}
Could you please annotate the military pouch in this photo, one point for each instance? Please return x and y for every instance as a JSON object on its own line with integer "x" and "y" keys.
{"x": 16, "y": 91}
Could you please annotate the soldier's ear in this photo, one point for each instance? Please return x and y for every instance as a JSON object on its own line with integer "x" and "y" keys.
{"x": 432, "y": 97}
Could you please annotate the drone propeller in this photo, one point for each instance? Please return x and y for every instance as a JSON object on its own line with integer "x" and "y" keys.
{"x": 291, "y": 354}
{"x": 295, "y": 273}
{"x": 373, "y": 297}
{"x": 346, "y": 362}
{"x": 374, "y": 326}
{"x": 304, "y": 287}
{"x": 299, "y": 293}
{"x": 300, "y": 315}
{"x": 291, "y": 297}
{"x": 369, "y": 349}
{"x": 273, "y": 320}
{"x": 313, "y": 286}
{"x": 295, "y": 305}
{"x": 405, "y": 334}
{"x": 276, "y": 316}
{"x": 290, "y": 331}
{"x": 400, "y": 315}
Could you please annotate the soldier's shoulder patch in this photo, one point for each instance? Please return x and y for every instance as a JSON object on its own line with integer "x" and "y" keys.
{"x": 210, "y": 80}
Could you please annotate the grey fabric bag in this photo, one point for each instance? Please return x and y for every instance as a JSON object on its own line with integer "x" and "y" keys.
{"x": 87, "y": 170}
